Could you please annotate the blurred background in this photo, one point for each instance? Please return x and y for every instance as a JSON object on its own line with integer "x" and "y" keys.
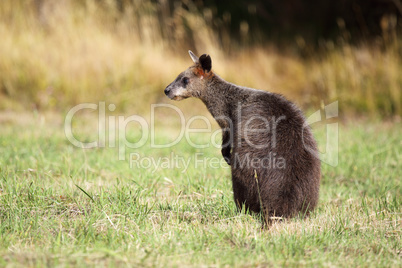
{"x": 56, "y": 54}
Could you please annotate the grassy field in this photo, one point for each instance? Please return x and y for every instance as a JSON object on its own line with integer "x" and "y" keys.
{"x": 65, "y": 206}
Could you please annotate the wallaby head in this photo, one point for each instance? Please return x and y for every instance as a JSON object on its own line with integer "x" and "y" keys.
{"x": 193, "y": 81}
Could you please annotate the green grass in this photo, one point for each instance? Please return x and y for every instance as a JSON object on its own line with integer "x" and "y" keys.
{"x": 65, "y": 206}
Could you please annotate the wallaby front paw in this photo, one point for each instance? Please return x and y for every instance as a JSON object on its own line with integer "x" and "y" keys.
{"x": 227, "y": 159}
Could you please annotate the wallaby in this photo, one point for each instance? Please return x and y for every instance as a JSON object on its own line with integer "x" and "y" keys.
{"x": 265, "y": 138}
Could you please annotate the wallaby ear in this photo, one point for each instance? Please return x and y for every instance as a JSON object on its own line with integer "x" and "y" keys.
{"x": 193, "y": 57}
{"x": 206, "y": 62}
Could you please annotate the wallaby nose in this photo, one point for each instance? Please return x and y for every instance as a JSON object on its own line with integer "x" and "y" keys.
{"x": 167, "y": 90}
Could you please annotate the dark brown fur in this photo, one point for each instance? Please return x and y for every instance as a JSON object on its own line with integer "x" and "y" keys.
{"x": 258, "y": 126}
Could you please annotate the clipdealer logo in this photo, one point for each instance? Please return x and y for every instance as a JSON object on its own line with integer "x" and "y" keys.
{"x": 108, "y": 135}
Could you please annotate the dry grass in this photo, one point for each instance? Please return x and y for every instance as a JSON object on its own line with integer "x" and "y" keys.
{"x": 67, "y": 52}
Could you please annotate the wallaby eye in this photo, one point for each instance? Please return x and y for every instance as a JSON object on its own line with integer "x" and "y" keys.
{"x": 185, "y": 80}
